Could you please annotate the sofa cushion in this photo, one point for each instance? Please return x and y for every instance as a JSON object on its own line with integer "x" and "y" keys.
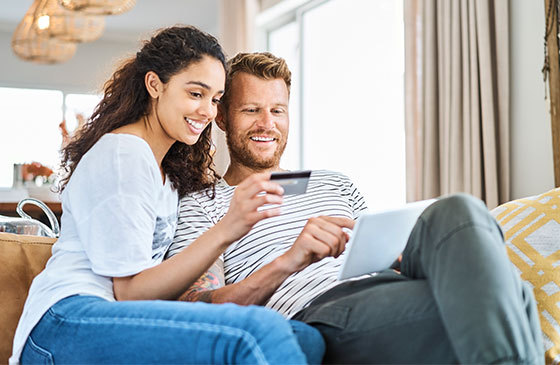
{"x": 532, "y": 232}
{"x": 21, "y": 259}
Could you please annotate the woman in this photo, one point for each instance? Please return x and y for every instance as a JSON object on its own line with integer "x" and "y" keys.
{"x": 147, "y": 143}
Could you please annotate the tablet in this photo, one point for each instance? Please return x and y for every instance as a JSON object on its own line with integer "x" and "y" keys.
{"x": 379, "y": 238}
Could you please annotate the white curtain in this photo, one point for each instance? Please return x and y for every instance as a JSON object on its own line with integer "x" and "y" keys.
{"x": 237, "y": 34}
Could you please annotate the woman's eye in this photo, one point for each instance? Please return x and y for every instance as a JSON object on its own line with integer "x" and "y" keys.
{"x": 196, "y": 95}
{"x": 216, "y": 101}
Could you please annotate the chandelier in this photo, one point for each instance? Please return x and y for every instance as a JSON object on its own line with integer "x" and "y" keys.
{"x": 69, "y": 26}
{"x": 99, "y": 7}
{"x": 48, "y": 32}
{"x": 31, "y": 42}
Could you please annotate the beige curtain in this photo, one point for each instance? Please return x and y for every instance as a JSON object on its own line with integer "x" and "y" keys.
{"x": 237, "y": 32}
{"x": 457, "y": 98}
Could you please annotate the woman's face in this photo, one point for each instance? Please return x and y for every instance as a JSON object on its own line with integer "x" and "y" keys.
{"x": 189, "y": 101}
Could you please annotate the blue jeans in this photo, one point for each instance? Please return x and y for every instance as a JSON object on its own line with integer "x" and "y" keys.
{"x": 86, "y": 329}
{"x": 458, "y": 299}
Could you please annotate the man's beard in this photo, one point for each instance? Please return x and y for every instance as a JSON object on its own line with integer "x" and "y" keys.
{"x": 241, "y": 153}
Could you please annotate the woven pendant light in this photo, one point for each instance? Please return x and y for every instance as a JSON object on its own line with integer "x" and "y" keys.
{"x": 70, "y": 26}
{"x": 99, "y": 7}
{"x": 31, "y": 43}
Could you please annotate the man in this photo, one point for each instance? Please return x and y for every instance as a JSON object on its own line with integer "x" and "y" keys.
{"x": 456, "y": 300}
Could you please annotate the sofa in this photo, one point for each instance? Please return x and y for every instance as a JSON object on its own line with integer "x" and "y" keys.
{"x": 531, "y": 229}
{"x": 21, "y": 259}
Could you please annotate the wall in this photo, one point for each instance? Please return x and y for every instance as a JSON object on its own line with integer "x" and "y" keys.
{"x": 531, "y": 152}
{"x": 531, "y": 140}
{"x": 86, "y": 72}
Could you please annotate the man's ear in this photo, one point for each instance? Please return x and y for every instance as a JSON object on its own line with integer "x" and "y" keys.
{"x": 153, "y": 84}
{"x": 220, "y": 118}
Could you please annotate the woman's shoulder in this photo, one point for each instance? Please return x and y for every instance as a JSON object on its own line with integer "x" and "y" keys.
{"x": 123, "y": 148}
{"x": 122, "y": 143}
{"x": 118, "y": 157}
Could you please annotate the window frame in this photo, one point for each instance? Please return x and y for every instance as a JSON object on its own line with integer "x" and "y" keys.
{"x": 65, "y": 91}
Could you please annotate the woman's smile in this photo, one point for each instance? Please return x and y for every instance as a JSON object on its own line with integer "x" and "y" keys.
{"x": 195, "y": 125}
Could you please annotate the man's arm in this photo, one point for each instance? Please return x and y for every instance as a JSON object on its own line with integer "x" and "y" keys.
{"x": 321, "y": 237}
{"x": 256, "y": 289}
{"x": 202, "y": 289}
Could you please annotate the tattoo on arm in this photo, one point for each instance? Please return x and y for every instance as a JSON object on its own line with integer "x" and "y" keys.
{"x": 203, "y": 288}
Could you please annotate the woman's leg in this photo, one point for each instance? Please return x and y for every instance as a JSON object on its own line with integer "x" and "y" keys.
{"x": 310, "y": 341}
{"x": 85, "y": 329}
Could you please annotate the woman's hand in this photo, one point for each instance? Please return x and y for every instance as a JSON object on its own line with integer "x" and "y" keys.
{"x": 243, "y": 213}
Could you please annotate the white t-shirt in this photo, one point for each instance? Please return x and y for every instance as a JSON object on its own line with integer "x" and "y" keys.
{"x": 328, "y": 193}
{"x": 118, "y": 219}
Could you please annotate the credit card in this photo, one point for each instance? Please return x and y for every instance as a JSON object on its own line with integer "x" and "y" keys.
{"x": 293, "y": 182}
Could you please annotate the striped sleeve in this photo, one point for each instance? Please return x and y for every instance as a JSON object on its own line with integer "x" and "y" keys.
{"x": 355, "y": 198}
{"x": 193, "y": 220}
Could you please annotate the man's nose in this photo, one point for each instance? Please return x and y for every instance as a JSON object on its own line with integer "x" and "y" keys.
{"x": 266, "y": 120}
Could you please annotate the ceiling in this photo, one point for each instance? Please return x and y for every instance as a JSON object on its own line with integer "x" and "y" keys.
{"x": 142, "y": 20}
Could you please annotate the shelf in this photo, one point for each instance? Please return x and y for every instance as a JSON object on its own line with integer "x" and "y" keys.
{"x": 9, "y": 209}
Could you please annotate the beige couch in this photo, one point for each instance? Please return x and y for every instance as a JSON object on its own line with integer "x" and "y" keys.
{"x": 21, "y": 259}
{"x": 531, "y": 227}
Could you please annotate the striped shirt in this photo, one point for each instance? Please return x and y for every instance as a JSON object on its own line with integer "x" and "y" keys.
{"x": 328, "y": 193}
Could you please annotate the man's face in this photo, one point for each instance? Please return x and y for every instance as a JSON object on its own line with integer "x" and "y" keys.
{"x": 257, "y": 121}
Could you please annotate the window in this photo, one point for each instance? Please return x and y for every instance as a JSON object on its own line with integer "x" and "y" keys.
{"x": 79, "y": 104}
{"x": 283, "y": 41}
{"x": 347, "y": 101}
{"x": 30, "y": 126}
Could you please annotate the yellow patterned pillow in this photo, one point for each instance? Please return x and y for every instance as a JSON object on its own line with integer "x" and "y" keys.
{"x": 532, "y": 232}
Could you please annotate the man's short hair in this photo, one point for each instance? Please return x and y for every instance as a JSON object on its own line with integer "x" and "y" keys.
{"x": 263, "y": 65}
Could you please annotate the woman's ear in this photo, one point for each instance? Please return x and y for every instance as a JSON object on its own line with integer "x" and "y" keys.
{"x": 153, "y": 84}
{"x": 220, "y": 118}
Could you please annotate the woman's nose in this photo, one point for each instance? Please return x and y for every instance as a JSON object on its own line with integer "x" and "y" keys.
{"x": 208, "y": 109}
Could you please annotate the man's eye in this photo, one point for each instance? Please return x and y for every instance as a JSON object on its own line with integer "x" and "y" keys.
{"x": 278, "y": 111}
{"x": 251, "y": 110}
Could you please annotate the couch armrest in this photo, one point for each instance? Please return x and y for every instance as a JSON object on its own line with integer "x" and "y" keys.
{"x": 21, "y": 259}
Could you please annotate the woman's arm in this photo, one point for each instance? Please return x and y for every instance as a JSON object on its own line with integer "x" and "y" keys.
{"x": 174, "y": 276}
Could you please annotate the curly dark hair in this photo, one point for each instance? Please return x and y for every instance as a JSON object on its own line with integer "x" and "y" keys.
{"x": 126, "y": 100}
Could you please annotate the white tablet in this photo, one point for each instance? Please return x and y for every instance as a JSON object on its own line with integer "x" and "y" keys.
{"x": 379, "y": 238}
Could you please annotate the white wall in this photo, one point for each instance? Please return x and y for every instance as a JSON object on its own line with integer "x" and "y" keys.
{"x": 531, "y": 141}
{"x": 86, "y": 72}
{"x": 531, "y": 147}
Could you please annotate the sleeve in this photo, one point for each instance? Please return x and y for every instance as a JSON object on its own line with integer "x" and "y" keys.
{"x": 115, "y": 210}
{"x": 193, "y": 221}
{"x": 355, "y": 198}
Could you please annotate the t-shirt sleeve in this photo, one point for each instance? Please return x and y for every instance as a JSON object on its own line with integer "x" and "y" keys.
{"x": 115, "y": 208}
{"x": 355, "y": 198}
{"x": 193, "y": 221}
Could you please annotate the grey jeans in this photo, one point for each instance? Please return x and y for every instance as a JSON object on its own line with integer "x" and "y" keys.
{"x": 458, "y": 299}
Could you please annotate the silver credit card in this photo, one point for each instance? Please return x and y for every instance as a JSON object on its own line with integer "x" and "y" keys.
{"x": 293, "y": 182}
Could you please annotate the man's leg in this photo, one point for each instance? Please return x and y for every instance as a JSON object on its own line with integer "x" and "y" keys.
{"x": 384, "y": 319}
{"x": 490, "y": 317}
{"x": 392, "y": 318}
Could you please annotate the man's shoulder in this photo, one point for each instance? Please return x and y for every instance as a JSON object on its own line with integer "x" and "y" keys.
{"x": 329, "y": 176}
{"x": 219, "y": 191}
